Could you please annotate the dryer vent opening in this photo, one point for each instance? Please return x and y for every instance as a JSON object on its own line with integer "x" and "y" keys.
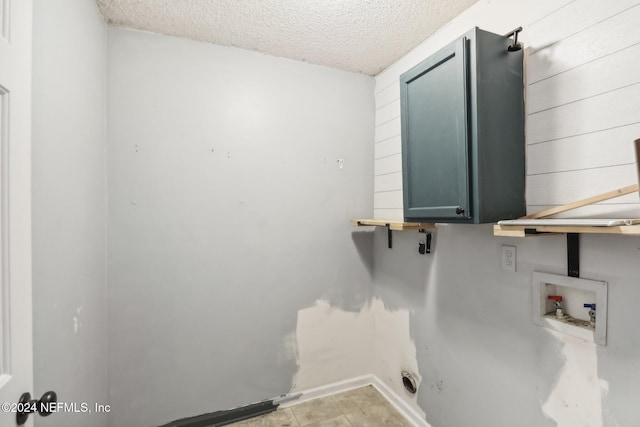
{"x": 409, "y": 382}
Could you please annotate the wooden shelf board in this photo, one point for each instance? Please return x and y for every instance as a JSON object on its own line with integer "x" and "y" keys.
{"x": 519, "y": 230}
{"x": 393, "y": 225}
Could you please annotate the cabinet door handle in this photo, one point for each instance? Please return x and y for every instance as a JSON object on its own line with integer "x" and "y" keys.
{"x": 459, "y": 210}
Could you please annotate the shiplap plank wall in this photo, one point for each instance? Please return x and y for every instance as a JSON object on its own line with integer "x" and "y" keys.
{"x": 583, "y": 101}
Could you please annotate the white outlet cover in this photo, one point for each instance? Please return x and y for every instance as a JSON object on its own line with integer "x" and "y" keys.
{"x": 508, "y": 258}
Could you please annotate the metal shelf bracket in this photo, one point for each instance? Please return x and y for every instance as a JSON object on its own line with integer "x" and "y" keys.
{"x": 573, "y": 254}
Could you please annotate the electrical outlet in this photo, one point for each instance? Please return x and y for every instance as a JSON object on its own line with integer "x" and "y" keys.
{"x": 508, "y": 260}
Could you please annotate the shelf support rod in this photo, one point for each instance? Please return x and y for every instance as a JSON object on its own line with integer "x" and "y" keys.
{"x": 573, "y": 254}
{"x": 389, "y": 236}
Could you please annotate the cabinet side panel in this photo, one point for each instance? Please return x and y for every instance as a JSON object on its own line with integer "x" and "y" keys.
{"x": 500, "y": 162}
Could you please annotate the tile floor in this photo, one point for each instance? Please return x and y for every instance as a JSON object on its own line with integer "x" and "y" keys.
{"x": 362, "y": 407}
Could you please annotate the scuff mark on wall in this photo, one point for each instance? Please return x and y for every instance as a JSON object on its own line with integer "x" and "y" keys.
{"x": 77, "y": 323}
{"x": 289, "y": 349}
{"x": 576, "y": 398}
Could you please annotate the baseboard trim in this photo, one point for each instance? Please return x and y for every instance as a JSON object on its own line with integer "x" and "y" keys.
{"x": 415, "y": 418}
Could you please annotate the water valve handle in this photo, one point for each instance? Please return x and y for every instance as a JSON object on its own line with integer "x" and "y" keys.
{"x": 592, "y": 312}
{"x": 558, "y": 300}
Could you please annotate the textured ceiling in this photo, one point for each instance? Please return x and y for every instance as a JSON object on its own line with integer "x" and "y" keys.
{"x": 355, "y": 35}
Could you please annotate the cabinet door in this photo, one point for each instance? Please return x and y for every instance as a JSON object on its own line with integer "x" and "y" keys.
{"x": 434, "y": 136}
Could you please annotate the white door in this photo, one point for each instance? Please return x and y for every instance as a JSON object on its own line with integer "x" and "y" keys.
{"x": 16, "y": 353}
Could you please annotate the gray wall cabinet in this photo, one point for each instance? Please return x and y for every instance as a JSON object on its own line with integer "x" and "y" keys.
{"x": 463, "y": 133}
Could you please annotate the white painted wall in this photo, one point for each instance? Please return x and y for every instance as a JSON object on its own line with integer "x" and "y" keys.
{"x": 228, "y": 222}
{"x": 481, "y": 359}
{"x": 582, "y": 94}
{"x": 69, "y": 207}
